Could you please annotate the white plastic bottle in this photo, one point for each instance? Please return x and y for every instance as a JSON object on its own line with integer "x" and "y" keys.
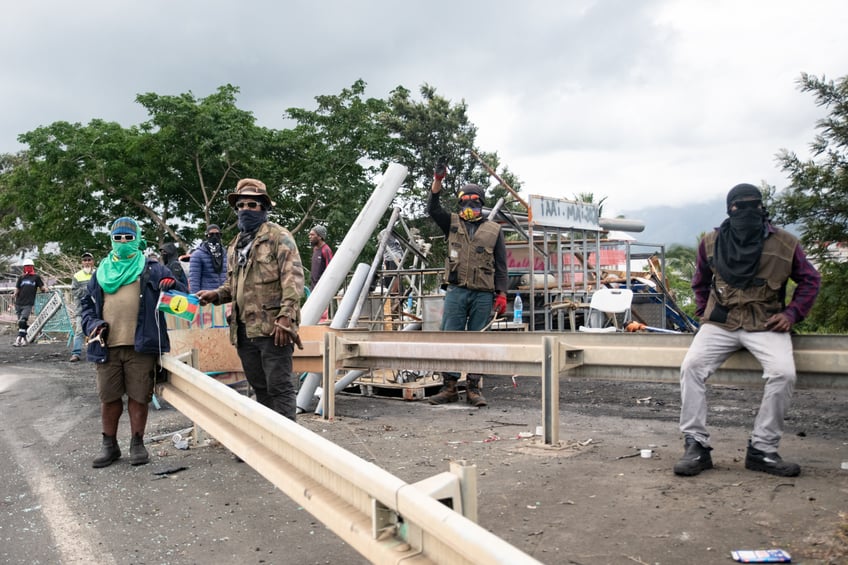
{"x": 517, "y": 310}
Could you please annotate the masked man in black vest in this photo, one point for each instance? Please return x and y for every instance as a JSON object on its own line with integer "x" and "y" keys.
{"x": 740, "y": 292}
{"x": 475, "y": 274}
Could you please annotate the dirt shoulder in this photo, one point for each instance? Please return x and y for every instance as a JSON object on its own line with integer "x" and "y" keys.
{"x": 587, "y": 500}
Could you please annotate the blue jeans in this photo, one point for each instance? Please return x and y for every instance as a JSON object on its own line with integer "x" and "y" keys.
{"x": 78, "y": 337}
{"x": 466, "y": 310}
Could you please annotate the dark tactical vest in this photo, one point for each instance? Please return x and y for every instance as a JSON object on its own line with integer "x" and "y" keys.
{"x": 471, "y": 261}
{"x": 749, "y": 308}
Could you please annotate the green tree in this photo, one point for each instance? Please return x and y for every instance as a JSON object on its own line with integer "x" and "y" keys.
{"x": 680, "y": 268}
{"x": 817, "y": 195}
{"x": 333, "y": 157}
{"x": 171, "y": 172}
{"x": 426, "y": 130}
{"x": 816, "y": 200}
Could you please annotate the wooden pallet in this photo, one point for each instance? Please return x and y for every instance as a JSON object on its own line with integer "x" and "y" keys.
{"x": 383, "y": 384}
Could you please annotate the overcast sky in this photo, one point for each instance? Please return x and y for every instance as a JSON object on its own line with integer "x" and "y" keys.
{"x": 640, "y": 101}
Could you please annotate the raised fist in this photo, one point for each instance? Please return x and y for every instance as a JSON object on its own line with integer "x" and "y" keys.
{"x": 441, "y": 168}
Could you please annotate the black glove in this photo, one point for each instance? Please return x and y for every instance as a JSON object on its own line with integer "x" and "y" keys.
{"x": 441, "y": 168}
{"x": 167, "y": 283}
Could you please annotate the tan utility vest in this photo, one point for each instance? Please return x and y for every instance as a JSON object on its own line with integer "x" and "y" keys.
{"x": 471, "y": 261}
{"x": 749, "y": 308}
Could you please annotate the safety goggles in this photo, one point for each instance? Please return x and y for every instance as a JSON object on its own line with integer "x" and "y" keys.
{"x": 472, "y": 198}
{"x": 748, "y": 204}
{"x": 251, "y": 204}
{"x": 123, "y": 237}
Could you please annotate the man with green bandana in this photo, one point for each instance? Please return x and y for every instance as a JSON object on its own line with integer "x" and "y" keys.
{"x": 126, "y": 334}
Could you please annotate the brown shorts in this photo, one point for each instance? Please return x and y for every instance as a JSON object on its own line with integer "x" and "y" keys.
{"x": 126, "y": 372}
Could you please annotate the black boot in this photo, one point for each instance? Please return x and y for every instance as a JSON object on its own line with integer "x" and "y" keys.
{"x": 109, "y": 452}
{"x": 138, "y": 453}
{"x": 447, "y": 394}
{"x": 771, "y": 463}
{"x": 472, "y": 392}
{"x": 695, "y": 459}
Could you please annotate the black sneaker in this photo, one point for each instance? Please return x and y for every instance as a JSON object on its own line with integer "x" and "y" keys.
{"x": 771, "y": 463}
{"x": 695, "y": 459}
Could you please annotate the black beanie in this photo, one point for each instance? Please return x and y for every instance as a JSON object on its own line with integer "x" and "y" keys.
{"x": 471, "y": 188}
{"x": 743, "y": 191}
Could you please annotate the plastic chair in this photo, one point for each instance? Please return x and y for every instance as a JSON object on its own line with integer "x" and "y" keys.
{"x": 603, "y": 307}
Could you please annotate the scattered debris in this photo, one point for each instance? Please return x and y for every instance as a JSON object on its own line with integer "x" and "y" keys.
{"x": 170, "y": 470}
{"x": 761, "y": 556}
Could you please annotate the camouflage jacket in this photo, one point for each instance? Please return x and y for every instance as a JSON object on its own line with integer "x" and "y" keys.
{"x": 267, "y": 286}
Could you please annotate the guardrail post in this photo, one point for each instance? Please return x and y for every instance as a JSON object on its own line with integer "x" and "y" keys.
{"x": 328, "y": 378}
{"x": 550, "y": 390}
{"x": 467, "y": 474}
{"x": 199, "y": 435}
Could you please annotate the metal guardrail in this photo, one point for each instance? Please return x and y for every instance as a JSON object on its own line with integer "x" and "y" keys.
{"x": 390, "y": 521}
{"x": 382, "y": 517}
{"x": 821, "y": 361}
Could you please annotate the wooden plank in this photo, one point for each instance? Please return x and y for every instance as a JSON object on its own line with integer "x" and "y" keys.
{"x": 217, "y": 354}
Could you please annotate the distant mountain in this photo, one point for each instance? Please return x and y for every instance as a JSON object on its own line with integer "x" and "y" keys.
{"x": 682, "y": 225}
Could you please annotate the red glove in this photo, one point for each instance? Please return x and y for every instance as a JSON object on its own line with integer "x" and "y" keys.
{"x": 500, "y": 304}
{"x": 167, "y": 283}
{"x": 441, "y": 168}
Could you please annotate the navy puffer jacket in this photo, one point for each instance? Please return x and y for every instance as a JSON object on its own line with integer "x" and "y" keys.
{"x": 201, "y": 273}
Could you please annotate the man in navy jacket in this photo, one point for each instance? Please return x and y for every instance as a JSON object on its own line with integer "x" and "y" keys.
{"x": 127, "y": 334}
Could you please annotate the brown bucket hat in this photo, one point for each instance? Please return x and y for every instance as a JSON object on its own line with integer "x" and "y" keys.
{"x": 250, "y": 187}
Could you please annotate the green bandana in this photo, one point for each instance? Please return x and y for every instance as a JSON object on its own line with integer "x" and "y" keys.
{"x": 122, "y": 266}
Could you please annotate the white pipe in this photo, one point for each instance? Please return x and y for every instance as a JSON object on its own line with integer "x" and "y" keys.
{"x": 340, "y": 320}
{"x": 349, "y": 249}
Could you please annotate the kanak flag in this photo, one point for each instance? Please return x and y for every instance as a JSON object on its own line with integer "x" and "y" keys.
{"x": 179, "y": 304}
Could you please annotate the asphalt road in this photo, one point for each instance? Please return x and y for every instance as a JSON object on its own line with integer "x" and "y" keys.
{"x": 54, "y": 508}
{"x": 588, "y": 501}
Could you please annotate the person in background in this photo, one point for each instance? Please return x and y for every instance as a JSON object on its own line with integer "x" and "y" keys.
{"x": 208, "y": 262}
{"x": 78, "y": 284}
{"x": 27, "y": 286}
{"x": 321, "y": 253}
{"x": 265, "y": 285}
{"x": 127, "y": 334}
{"x": 169, "y": 255}
{"x": 321, "y": 257}
{"x": 740, "y": 292}
{"x": 475, "y": 275}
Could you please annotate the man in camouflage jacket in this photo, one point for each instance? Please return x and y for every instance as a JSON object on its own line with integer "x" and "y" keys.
{"x": 265, "y": 284}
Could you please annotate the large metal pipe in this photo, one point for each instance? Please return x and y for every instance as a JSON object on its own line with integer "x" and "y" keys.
{"x": 340, "y": 320}
{"x": 622, "y": 224}
{"x": 349, "y": 249}
{"x": 351, "y": 246}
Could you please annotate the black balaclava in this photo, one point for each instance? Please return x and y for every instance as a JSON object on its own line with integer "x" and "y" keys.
{"x": 739, "y": 244}
{"x": 471, "y": 210}
{"x": 168, "y": 252}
